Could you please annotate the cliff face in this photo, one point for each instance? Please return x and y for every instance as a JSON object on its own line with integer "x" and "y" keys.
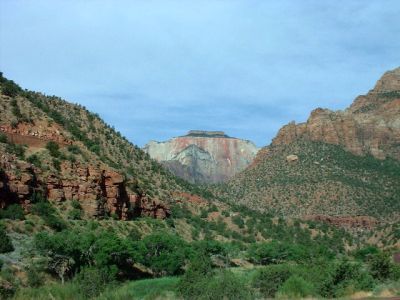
{"x": 203, "y": 156}
{"x": 100, "y": 192}
{"x": 371, "y": 125}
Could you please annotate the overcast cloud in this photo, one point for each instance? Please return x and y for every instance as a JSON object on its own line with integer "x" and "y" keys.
{"x": 156, "y": 69}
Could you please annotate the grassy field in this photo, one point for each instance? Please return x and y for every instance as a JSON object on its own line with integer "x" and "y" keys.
{"x": 159, "y": 288}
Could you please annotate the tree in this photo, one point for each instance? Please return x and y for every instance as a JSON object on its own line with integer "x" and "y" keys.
{"x": 165, "y": 253}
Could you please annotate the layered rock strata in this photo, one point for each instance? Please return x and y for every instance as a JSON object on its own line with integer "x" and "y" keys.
{"x": 203, "y": 156}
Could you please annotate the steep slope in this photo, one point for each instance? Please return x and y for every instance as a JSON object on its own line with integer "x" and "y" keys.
{"x": 341, "y": 163}
{"x": 64, "y": 152}
{"x": 371, "y": 125}
{"x": 203, "y": 156}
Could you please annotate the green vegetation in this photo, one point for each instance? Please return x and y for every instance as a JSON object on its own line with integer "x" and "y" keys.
{"x": 326, "y": 177}
{"x": 5, "y": 241}
{"x": 13, "y": 212}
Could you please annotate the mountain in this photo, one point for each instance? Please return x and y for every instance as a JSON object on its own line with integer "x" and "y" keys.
{"x": 343, "y": 163}
{"x": 203, "y": 156}
{"x": 371, "y": 125}
{"x": 65, "y": 153}
{"x": 86, "y": 214}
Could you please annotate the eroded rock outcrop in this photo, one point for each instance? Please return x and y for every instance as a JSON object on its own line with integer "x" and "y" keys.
{"x": 346, "y": 221}
{"x": 371, "y": 125}
{"x": 203, "y": 156}
{"x": 99, "y": 191}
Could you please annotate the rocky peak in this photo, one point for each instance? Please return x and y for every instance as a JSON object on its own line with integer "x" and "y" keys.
{"x": 203, "y": 156}
{"x": 371, "y": 125}
{"x": 390, "y": 81}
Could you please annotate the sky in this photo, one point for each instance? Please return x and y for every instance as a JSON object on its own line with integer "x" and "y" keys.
{"x": 156, "y": 69}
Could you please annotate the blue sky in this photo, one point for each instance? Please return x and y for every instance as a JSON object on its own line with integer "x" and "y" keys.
{"x": 156, "y": 69}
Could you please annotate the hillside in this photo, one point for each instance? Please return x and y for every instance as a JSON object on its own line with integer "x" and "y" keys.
{"x": 65, "y": 152}
{"x": 84, "y": 214}
{"x": 343, "y": 163}
{"x": 203, "y": 156}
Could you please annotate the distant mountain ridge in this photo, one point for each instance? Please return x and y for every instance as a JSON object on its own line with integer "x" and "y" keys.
{"x": 203, "y": 156}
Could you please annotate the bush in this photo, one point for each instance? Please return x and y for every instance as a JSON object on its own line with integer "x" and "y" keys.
{"x": 35, "y": 160}
{"x": 344, "y": 275}
{"x": 10, "y": 88}
{"x": 3, "y": 138}
{"x": 200, "y": 282}
{"x": 274, "y": 252}
{"x": 93, "y": 281}
{"x": 57, "y": 164}
{"x": 381, "y": 266}
{"x": 296, "y": 287}
{"x": 49, "y": 215}
{"x": 18, "y": 150}
{"x": 75, "y": 214}
{"x": 5, "y": 241}
{"x": 74, "y": 149}
{"x": 34, "y": 279}
{"x": 53, "y": 148}
{"x": 12, "y": 212}
{"x": 191, "y": 284}
{"x": 134, "y": 235}
{"x": 75, "y": 204}
{"x": 165, "y": 253}
{"x": 238, "y": 221}
{"x": 269, "y": 279}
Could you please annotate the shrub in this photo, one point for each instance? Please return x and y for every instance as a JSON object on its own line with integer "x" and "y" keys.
{"x": 225, "y": 285}
{"x": 296, "y": 287}
{"x": 134, "y": 234}
{"x": 93, "y": 281}
{"x": 343, "y": 275}
{"x": 57, "y": 164}
{"x": 74, "y": 149}
{"x": 269, "y": 279}
{"x": 277, "y": 252}
{"x": 191, "y": 285}
{"x": 5, "y": 241}
{"x": 34, "y": 278}
{"x": 165, "y": 253}
{"x": 3, "y": 138}
{"x": 238, "y": 221}
{"x": 18, "y": 150}
{"x": 35, "y": 160}
{"x": 200, "y": 282}
{"x": 381, "y": 266}
{"x": 13, "y": 212}
{"x": 49, "y": 215}
{"x": 75, "y": 204}
{"x": 75, "y": 214}
{"x": 53, "y": 148}
{"x": 10, "y": 88}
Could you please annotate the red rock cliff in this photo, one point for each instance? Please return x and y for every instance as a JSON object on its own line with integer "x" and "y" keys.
{"x": 371, "y": 125}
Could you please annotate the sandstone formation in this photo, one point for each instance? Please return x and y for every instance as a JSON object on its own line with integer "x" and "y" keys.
{"x": 292, "y": 158}
{"x": 99, "y": 191}
{"x": 346, "y": 221}
{"x": 34, "y": 134}
{"x": 203, "y": 156}
{"x": 371, "y": 125}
